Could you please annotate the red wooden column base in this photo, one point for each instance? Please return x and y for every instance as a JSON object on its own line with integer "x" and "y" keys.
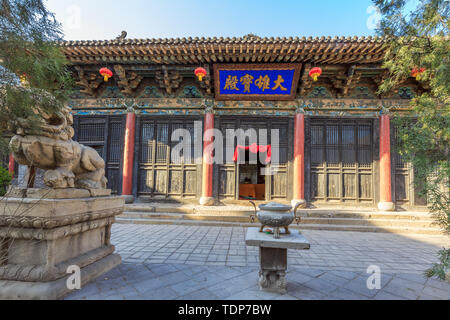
{"x": 385, "y": 203}
{"x": 299, "y": 161}
{"x": 128, "y": 158}
{"x": 207, "y": 166}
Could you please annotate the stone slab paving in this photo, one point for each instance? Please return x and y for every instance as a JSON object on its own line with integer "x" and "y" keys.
{"x": 190, "y": 262}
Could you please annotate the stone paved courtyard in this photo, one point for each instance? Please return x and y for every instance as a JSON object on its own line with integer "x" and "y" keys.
{"x": 190, "y": 262}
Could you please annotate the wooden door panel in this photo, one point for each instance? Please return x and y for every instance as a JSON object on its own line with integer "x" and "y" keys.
{"x": 405, "y": 190}
{"x": 340, "y": 151}
{"x": 277, "y": 184}
{"x": 166, "y": 176}
{"x": 106, "y": 135}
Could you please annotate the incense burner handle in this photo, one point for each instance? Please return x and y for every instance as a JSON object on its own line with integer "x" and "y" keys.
{"x": 297, "y": 218}
{"x": 253, "y": 216}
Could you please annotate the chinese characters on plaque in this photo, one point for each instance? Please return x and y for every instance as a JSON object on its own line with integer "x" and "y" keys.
{"x": 256, "y": 82}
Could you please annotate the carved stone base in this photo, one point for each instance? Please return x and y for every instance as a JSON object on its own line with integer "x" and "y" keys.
{"x": 386, "y": 206}
{"x": 206, "y": 201}
{"x": 297, "y": 201}
{"x": 52, "y": 290}
{"x": 272, "y": 275}
{"x": 44, "y": 233}
{"x": 128, "y": 199}
{"x": 273, "y": 256}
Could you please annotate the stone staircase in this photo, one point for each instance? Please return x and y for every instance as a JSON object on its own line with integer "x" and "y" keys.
{"x": 342, "y": 219}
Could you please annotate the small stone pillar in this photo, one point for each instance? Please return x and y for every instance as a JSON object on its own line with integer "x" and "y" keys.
{"x": 299, "y": 161}
{"x": 207, "y": 166}
{"x": 385, "y": 203}
{"x": 128, "y": 158}
{"x": 273, "y": 256}
{"x": 43, "y": 232}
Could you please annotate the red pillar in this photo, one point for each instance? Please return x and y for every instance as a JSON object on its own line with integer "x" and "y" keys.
{"x": 128, "y": 155}
{"x": 385, "y": 203}
{"x": 11, "y": 164}
{"x": 207, "y": 166}
{"x": 299, "y": 160}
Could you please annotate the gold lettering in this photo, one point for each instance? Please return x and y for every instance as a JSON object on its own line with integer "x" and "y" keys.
{"x": 231, "y": 83}
{"x": 278, "y": 83}
{"x": 263, "y": 83}
{"x": 247, "y": 80}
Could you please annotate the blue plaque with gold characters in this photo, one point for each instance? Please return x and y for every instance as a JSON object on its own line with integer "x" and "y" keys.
{"x": 256, "y": 81}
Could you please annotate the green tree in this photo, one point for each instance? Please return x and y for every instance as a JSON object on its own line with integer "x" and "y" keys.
{"x": 29, "y": 36}
{"x": 418, "y": 40}
{"x": 5, "y": 180}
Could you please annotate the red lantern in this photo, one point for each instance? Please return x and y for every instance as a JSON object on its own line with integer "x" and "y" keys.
{"x": 417, "y": 73}
{"x": 106, "y": 73}
{"x": 200, "y": 73}
{"x": 315, "y": 73}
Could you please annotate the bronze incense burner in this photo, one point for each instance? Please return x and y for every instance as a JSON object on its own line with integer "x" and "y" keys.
{"x": 276, "y": 215}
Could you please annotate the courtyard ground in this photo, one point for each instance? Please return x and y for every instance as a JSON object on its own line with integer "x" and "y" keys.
{"x": 196, "y": 262}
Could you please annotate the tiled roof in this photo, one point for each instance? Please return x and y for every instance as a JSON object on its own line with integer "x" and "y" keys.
{"x": 249, "y": 48}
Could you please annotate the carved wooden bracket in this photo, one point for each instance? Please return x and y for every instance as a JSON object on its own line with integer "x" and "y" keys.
{"x": 378, "y": 81}
{"x": 88, "y": 81}
{"x": 168, "y": 80}
{"x": 422, "y": 87}
{"x": 379, "y": 78}
{"x": 206, "y": 85}
{"x": 344, "y": 82}
{"x": 128, "y": 82}
{"x": 305, "y": 81}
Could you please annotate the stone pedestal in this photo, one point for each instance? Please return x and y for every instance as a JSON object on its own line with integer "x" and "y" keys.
{"x": 44, "y": 231}
{"x": 273, "y": 256}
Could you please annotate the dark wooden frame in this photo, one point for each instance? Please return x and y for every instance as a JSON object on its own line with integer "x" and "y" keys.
{"x": 401, "y": 170}
{"x": 106, "y": 143}
{"x": 257, "y": 97}
{"x": 285, "y": 168}
{"x": 138, "y": 166}
{"x": 311, "y": 169}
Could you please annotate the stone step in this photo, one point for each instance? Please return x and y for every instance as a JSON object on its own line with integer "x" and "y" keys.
{"x": 329, "y": 227}
{"x": 244, "y": 211}
{"x": 178, "y": 216}
{"x": 304, "y": 220}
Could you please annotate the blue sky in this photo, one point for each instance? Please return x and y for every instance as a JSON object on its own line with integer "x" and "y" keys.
{"x": 105, "y": 19}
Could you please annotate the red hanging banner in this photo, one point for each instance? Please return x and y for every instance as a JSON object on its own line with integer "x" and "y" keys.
{"x": 254, "y": 148}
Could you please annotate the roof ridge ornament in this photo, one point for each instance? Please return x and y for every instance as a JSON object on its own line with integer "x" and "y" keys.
{"x": 251, "y": 36}
{"x": 122, "y": 35}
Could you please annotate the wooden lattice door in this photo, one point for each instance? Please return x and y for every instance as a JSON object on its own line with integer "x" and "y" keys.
{"x": 341, "y": 160}
{"x": 277, "y": 185}
{"x": 105, "y": 134}
{"x": 159, "y": 174}
{"x": 405, "y": 191}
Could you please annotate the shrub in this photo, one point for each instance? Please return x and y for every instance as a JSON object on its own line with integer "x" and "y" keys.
{"x": 5, "y": 180}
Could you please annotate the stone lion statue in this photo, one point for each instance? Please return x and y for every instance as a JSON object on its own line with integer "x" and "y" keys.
{"x": 48, "y": 145}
